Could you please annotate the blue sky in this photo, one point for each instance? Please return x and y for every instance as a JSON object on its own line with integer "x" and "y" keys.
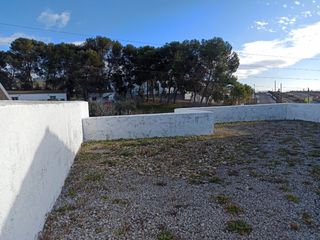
{"x": 276, "y": 40}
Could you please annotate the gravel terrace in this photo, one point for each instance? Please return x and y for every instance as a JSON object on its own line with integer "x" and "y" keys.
{"x": 258, "y": 180}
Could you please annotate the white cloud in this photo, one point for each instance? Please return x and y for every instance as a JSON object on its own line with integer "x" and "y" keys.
{"x": 285, "y": 21}
{"x": 262, "y": 26}
{"x": 260, "y": 56}
{"x": 6, "y": 40}
{"x": 306, "y": 14}
{"x": 297, "y": 3}
{"x": 284, "y": 5}
{"x": 51, "y": 19}
{"x": 78, "y": 43}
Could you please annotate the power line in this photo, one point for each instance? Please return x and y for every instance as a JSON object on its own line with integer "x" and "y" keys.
{"x": 70, "y": 33}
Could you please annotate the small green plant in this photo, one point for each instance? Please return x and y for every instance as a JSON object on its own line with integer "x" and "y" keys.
{"x": 316, "y": 172}
{"x": 292, "y": 198}
{"x": 104, "y": 198}
{"x": 66, "y": 208}
{"x": 306, "y": 218}
{"x": 126, "y": 153}
{"x": 122, "y": 230}
{"x": 118, "y": 201}
{"x": 222, "y": 199}
{"x": 72, "y": 192}
{"x": 239, "y": 226}
{"x": 314, "y": 153}
{"x": 165, "y": 234}
{"x": 294, "y": 226}
{"x": 233, "y": 208}
{"x": 215, "y": 179}
{"x": 94, "y": 177}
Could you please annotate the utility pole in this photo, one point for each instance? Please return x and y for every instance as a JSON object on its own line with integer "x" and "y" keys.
{"x": 275, "y": 86}
{"x": 280, "y": 87}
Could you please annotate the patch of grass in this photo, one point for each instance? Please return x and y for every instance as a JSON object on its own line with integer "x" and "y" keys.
{"x": 119, "y": 201}
{"x": 316, "y": 172}
{"x": 306, "y": 218}
{"x": 109, "y": 162}
{"x": 72, "y": 192}
{"x": 126, "y": 152}
{"x": 292, "y": 198}
{"x": 294, "y": 226}
{"x": 196, "y": 180}
{"x": 233, "y": 208}
{"x": 104, "y": 198}
{"x": 222, "y": 199}
{"x": 165, "y": 234}
{"x": 239, "y": 226}
{"x": 284, "y": 152}
{"x": 254, "y": 173}
{"x": 314, "y": 153}
{"x": 122, "y": 230}
{"x": 94, "y": 176}
{"x": 215, "y": 179}
{"x": 66, "y": 208}
{"x": 233, "y": 173}
{"x": 273, "y": 164}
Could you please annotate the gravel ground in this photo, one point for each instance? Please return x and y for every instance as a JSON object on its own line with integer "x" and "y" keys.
{"x": 258, "y": 180}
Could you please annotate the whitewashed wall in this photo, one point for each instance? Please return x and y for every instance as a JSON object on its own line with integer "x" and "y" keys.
{"x": 38, "y": 143}
{"x": 243, "y": 112}
{"x": 304, "y": 112}
{"x": 147, "y": 125}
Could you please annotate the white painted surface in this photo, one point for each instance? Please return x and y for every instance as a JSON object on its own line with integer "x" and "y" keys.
{"x": 38, "y": 96}
{"x": 38, "y": 143}
{"x": 304, "y": 112}
{"x": 243, "y": 112}
{"x": 147, "y": 125}
{"x": 3, "y": 93}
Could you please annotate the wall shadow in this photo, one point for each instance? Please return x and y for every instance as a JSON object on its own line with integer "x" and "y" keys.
{"x": 39, "y": 190}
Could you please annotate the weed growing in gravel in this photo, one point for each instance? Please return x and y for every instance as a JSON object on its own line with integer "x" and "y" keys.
{"x": 215, "y": 179}
{"x": 126, "y": 153}
{"x": 65, "y": 208}
{"x": 233, "y": 173}
{"x": 165, "y": 234}
{"x": 294, "y": 226}
{"x": 94, "y": 176}
{"x": 318, "y": 191}
{"x": 222, "y": 199}
{"x": 316, "y": 172}
{"x": 239, "y": 226}
{"x": 72, "y": 192}
{"x": 104, "y": 198}
{"x": 254, "y": 173}
{"x": 233, "y": 208}
{"x": 306, "y": 218}
{"x": 109, "y": 162}
{"x": 292, "y": 198}
{"x": 118, "y": 201}
{"x": 285, "y": 188}
{"x": 122, "y": 230}
{"x": 314, "y": 153}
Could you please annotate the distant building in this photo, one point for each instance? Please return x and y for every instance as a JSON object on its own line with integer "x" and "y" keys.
{"x": 38, "y": 95}
{"x": 102, "y": 96}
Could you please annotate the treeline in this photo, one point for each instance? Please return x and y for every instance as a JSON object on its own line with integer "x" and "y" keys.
{"x": 203, "y": 68}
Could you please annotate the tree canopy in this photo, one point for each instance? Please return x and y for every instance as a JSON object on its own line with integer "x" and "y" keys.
{"x": 205, "y": 69}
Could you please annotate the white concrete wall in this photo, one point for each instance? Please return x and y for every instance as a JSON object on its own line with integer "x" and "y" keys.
{"x": 304, "y": 112}
{"x": 147, "y": 125}
{"x": 243, "y": 112}
{"x": 38, "y": 143}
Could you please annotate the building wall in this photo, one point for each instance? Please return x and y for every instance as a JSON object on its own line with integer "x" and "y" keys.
{"x": 147, "y": 125}
{"x": 39, "y": 96}
{"x": 304, "y": 112}
{"x": 38, "y": 143}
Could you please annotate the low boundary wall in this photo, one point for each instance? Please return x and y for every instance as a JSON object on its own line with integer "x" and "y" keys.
{"x": 242, "y": 113}
{"x": 148, "y": 125}
{"x": 38, "y": 143}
